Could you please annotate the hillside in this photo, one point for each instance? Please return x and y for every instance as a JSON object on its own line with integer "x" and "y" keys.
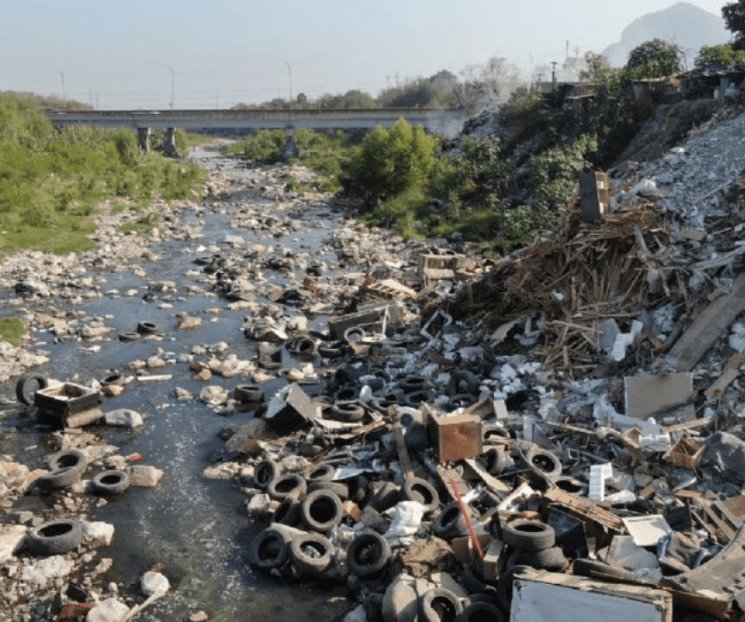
{"x": 685, "y": 24}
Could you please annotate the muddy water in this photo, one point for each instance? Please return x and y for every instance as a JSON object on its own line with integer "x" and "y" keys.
{"x": 197, "y": 529}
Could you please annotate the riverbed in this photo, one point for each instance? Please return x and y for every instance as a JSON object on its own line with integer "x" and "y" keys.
{"x": 194, "y": 530}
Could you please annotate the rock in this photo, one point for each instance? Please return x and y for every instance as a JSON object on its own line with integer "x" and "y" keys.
{"x": 154, "y": 583}
{"x": 144, "y": 476}
{"x": 199, "y": 616}
{"x": 124, "y": 417}
{"x": 112, "y": 390}
{"x": 41, "y": 572}
{"x": 109, "y": 610}
{"x": 182, "y": 394}
{"x": 213, "y": 395}
{"x": 97, "y": 534}
{"x": 727, "y": 452}
{"x": 188, "y": 322}
{"x": 12, "y": 539}
{"x": 224, "y": 471}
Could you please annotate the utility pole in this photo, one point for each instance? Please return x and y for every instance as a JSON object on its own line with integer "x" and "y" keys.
{"x": 553, "y": 75}
{"x": 289, "y": 73}
{"x": 62, "y": 77}
{"x": 173, "y": 79}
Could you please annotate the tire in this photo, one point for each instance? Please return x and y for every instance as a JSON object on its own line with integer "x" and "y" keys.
{"x": 322, "y": 472}
{"x": 111, "y": 482}
{"x": 450, "y": 522}
{"x": 334, "y": 350}
{"x": 129, "y": 336}
{"x": 481, "y": 612}
{"x": 113, "y": 379}
{"x": 552, "y": 558}
{"x": 268, "y": 549}
{"x": 544, "y": 462}
{"x": 311, "y": 553}
{"x": 27, "y": 385}
{"x": 413, "y": 383}
{"x": 415, "y": 398}
{"x": 288, "y": 512}
{"x": 357, "y": 487}
{"x": 321, "y": 510}
{"x": 368, "y": 554}
{"x": 347, "y": 412}
{"x": 347, "y": 394}
{"x": 355, "y": 334}
{"x": 287, "y": 485}
{"x": 248, "y": 393}
{"x": 386, "y": 496}
{"x": 439, "y": 605}
{"x": 146, "y": 328}
{"x": 265, "y": 472}
{"x": 418, "y": 489}
{"x": 340, "y": 489}
{"x": 475, "y": 584}
{"x": 463, "y": 381}
{"x": 59, "y": 478}
{"x": 504, "y": 585}
{"x": 496, "y": 461}
{"x": 302, "y": 346}
{"x": 55, "y": 537}
{"x": 529, "y": 535}
{"x": 73, "y": 458}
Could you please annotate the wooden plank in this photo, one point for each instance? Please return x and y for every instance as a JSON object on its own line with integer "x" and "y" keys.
{"x": 707, "y": 327}
{"x": 731, "y": 371}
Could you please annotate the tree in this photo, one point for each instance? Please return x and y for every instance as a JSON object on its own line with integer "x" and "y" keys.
{"x": 734, "y": 17}
{"x": 301, "y": 99}
{"x": 390, "y": 161}
{"x": 654, "y": 59}
{"x": 722, "y": 56}
{"x": 597, "y": 68}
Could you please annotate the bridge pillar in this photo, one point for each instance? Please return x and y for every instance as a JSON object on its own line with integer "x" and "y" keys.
{"x": 169, "y": 142}
{"x": 290, "y": 149}
{"x": 143, "y": 138}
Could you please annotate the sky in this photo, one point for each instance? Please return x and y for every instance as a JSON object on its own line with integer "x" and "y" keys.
{"x": 130, "y": 54}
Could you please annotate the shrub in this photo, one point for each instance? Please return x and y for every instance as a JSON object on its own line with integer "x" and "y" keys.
{"x": 390, "y": 161}
{"x": 722, "y": 56}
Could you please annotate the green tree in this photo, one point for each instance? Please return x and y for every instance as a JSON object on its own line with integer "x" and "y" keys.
{"x": 722, "y": 56}
{"x": 654, "y": 59}
{"x": 597, "y": 68}
{"x": 734, "y": 17}
{"x": 390, "y": 161}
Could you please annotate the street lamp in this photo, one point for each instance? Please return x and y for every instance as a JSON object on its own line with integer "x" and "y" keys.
{"x": 172, "y": 82}
{"x": 289, "y": 73}
{"x": 62, "y": 77}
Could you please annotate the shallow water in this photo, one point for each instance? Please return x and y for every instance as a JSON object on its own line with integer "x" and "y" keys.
{"x": 197, "y": 529}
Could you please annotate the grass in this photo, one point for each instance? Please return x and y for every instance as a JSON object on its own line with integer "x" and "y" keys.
{"x": 53, "y": 180}
{"x": 12, "y": 330}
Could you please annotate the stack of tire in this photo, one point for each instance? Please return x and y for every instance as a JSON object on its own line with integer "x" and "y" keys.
{"x": 297, "y": 543}
{"x": 531, "y": 543}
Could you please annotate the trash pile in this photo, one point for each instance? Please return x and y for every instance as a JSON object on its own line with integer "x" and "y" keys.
{"x": 569, "y": 425}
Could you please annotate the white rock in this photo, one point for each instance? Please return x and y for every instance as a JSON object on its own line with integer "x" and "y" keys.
{"x": 12, "y": 538}
{"x": 154, "y": 583}
{"x": 44, "y": 570}
{"x": 97, "y": 534}
{"x": 109, "y": 610}
{"x": 124, "y": 417}
{"x": 144, "y": 476}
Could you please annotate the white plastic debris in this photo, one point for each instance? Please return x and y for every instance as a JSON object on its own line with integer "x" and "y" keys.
{"x": 598, "y": 474}
{"x": 406, "y": 516}
{"x": 624, "y": 340}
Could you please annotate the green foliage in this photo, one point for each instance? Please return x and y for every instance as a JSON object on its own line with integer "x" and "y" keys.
{"x": 722, "y": 56}
{"x": 353, "y": 98}
{"x": 51, "y": 180}
{"x": 389, "y": 161}
{"x": 654, "y": 59}
{"x": 555, "y": 171}
{"x": 11, "y": 330}
{"x": 597, "y": 68}
{"x": 734, "y": 17}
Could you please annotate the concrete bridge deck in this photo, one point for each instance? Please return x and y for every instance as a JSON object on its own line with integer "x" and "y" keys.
{"x": 437, "y": 120}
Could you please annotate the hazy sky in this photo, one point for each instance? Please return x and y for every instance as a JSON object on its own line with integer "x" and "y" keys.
{"x": 117, "y": 53}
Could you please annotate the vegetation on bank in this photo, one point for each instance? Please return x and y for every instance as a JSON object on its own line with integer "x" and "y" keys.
{"x": 51, "y": 180}
{"x": 12, "y": 330}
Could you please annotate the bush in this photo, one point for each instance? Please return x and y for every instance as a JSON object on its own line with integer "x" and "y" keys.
{"x": 722, "y": 56}
{"x": 390, "y": 161}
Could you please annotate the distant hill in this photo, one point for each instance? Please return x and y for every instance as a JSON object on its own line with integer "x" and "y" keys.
{"x": 685, "y": 24}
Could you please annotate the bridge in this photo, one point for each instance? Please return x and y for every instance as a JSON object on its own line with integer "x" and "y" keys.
{"x": 446, "y": 121}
